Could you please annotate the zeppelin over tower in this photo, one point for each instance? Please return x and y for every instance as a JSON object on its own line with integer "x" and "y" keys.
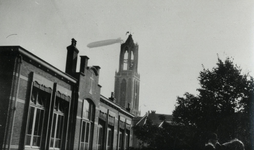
{"x": 127, "y": 79}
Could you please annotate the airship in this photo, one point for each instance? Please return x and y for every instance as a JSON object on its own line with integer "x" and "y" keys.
{"x": 104, "y": 43}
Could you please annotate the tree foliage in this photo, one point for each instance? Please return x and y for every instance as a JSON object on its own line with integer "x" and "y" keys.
{"x": 167, "y": 137}
{"x": 224, "y": 103}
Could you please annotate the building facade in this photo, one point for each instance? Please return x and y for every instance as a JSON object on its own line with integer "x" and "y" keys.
{"x": 127, "y": 79}
{"x": 44, "y": 108}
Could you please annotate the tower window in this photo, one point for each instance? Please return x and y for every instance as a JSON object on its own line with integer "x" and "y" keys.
{"x": 125, "y": 61}
{"x": 132, "y": 61}
{"x": 123, "y": 93}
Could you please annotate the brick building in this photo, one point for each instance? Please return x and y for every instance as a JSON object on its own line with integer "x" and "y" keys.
{"x": 42, "y": 107}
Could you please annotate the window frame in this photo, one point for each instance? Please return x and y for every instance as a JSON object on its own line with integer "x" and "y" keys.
{"x": 127, "y": 139}
{"x": 36, "y": 105}
{"x": 59, "y": 112}
{"x": 100, "y": 137}
{"x": 86, "y": 126}
{"x": 125, "y": 59}
{"x": 110, "y": 138}
{"x": 120, "y": 140}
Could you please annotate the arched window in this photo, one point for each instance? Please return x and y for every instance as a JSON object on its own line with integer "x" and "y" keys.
{"x": 58, "y": 125}
{"x": 125, "y": 60}
{"x": 36, "y": 117}
{"x": 136, "y": 92}
{"x": 123, "y": 93}
{"x": 132, "y": 61}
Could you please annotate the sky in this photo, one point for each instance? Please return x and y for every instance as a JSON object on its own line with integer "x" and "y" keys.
{"x": 176, "y": 39}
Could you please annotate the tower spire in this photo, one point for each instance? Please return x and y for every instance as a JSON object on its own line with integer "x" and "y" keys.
{"x": 127, "y": 79}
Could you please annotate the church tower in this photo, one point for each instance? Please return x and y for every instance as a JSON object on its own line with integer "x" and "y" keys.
{"x": 127, "y": 79}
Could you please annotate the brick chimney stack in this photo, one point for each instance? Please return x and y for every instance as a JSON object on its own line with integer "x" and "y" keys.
{"x": 72, "y": 57}
{"x": 112, "y": 97}
{"x": 128, "y": 108}
{"x": 83, "y": 64}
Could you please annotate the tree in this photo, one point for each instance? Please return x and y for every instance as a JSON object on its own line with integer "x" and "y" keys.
{"x": 146, "y": 133}
{"x": 224, "y": 102}
{"x": 166, "y": 137}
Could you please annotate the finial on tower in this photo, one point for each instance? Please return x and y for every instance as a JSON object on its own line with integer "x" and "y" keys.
{"x": 73, "y": 42}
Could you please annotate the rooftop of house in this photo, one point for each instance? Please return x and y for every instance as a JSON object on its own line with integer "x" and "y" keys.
{"x": 156, "y": 119}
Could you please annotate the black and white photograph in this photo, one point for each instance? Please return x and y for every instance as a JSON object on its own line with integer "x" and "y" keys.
{"x": 126, "y": 75}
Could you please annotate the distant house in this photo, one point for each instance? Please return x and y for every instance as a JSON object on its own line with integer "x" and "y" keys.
{"x": 156, "y": 119}
{"x": 175, "y": 135}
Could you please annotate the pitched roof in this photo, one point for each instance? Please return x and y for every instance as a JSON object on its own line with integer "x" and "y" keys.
{"x": 157, "y": 119}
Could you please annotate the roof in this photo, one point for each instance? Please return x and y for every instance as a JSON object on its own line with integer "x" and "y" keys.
{"x": 156, "y": 119}
{"x": 24, "y": 52}
{"x": 116, "y": 106}
{"x": 129, "y": 41}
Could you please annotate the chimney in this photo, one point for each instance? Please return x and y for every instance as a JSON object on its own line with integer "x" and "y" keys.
{"x": 83, "y": 64}
{"x": 153, "y": 112}
{"x": 112, "y": 98}
{"x": 97, "y": 70}
{"x": 128, "y": 108}
{"x": 71, "y": 60}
